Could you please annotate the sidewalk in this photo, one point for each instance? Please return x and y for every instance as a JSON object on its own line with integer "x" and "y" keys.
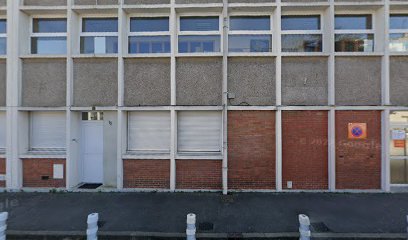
{"x": 238, "y": 214}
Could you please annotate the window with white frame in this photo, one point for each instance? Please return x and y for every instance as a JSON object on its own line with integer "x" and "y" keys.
{"x": 149, "y": 35}
{"x": 99, "y": 36}
{"x": 3, "y": 136}
{"x": 47, "y": 132}
{"x": 199, "y": 131}
{"x": 199, "y": 34}
{"x": 49, "y": 36}
{"x": 301, "y": 33}
{"x": 3, "y": 36}
{"x": 354, "y": 33}
{"x": 250, "y": 34}
{"x": 149, "y": 131}
{"x": 398, "y": 33}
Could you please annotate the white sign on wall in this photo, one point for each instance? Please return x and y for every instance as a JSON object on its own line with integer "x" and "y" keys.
{"x": 398, "y": 135}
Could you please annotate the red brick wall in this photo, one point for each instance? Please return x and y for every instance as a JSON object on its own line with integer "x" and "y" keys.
{"x": 139, "y": 173}
{"x": 358, "y": 162}
{"x": 251, "y": 150}
{"x": 2, "y": 171}
{"x": 34, "y": 169}
{"x": 199, "y": 174}
{"x": 305, "y": 149}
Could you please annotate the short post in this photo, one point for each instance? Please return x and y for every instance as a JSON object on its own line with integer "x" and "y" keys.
{"x": 92, "y": 231}
{"x": 3, "y": 225}
{"x": 191, "y": 226}
{"x": 407, "y": 224}
{"x": 304, "y": 228}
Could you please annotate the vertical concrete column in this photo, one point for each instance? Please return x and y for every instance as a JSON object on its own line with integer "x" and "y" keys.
{"x": 173, "y": 113}
{"x": 278, "y": 131}
{"x": 225, "y": 96}
{"x": 385, "y": 168}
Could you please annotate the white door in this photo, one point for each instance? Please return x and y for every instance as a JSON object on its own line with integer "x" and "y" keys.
{"x": 92, "y": 151}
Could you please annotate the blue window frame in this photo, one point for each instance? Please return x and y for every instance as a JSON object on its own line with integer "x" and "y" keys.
{"x": 104, "y": 40}
{"x": 49, "y": 36}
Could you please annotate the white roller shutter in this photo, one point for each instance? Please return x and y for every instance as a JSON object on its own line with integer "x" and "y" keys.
{"x": 149, "y": 131}
{"x": 47, "y": 131}
{"x": 2, "y": 131}
{"x": 199, "y": 131}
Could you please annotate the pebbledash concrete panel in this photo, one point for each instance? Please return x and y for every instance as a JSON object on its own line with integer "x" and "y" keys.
{"x": 358, "y": 81}
{"x": 44, "y": 83}
{"x": 147, "y": 82}
{"x": 304, "y": 80}
{"x": 398, "y": 81}
{"x": 95, "y": 82}
{"x": 252, "y": 80}
{"x": 96, "y": 2}
{"x": 199, "y": 81}
{"x": 45, "y": 2}
{"x": 3, "y": 2}
{"x": 135, "y": 2}
{"x": 3, "y": 82}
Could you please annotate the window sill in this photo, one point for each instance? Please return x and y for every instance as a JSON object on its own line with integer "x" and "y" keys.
{"x": 2, "y": 155}
{"x": 33, "y": 155}
{"x": 392, "y": 54}
{"x": 148, "y": 55}
{"x": 213, "y": 54}
{"x": 199, "y": 155}
{"x": 112, "y": 55}
{"x": 28, "y": 56}
{"x": 305, "y": 54}
{"x": 351, "y": 54}
{"x": 252, "y": 54}
{"x": 146, "y": 155}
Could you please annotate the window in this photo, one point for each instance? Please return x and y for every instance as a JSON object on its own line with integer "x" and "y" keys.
{"x": 301, "y": 33}
{"x": 3, "y": 137}
{"x": 250, "y": 34}
{"x": 149, "y": 35}
{"x": 149, "y": 131}
{"x": 399, "y": 147}
{"x": 199, "y": 34}
{"x": 99, "y": 35}
{"x": 47, "y": 132}
{"x": 49, "y": 36}
{"x": 3, "y": 36}
{"x": 354, "y": 33}
{"x": 199, "y": 131}
{"x": 398, "y": 33}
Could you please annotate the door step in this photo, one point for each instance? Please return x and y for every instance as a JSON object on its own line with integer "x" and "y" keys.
{"x": 90, "y": 185}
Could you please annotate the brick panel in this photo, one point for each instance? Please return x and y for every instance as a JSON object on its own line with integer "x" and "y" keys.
{"x": 36, "y": 170}
{"x": 305, "y": 149}
{"x": 251, "y": 150}
{"x": 146, "y": 173}
{"x": 358, "y": 162}
{"x": 199, "y": 174}
{"x": 2, "y": 171}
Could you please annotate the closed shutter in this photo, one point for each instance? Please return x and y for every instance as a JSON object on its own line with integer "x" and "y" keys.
{"x": 48, "y": 131}
{"x": 199, "y": 131}
{"x": 2, "y": 131}
{"x": 149, "y": 131}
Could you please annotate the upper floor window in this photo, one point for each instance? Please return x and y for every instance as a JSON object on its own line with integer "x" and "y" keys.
{"x": 301, "y": 33}
{"x": 99, "y": 35}
{"x": 49, "y": 36}
{"x": 3, "y": 36}
{"x": 149, "y": 35}
{"x": 199, "y": 34}
{"x": 399, "y": 32}
{"x": 250, "y": 34}
{"x": 354, "y": 33}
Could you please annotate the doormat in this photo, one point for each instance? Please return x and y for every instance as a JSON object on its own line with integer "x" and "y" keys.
{"x": 90, "y": 186}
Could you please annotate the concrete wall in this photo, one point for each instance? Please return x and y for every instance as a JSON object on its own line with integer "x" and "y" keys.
{"x": 44, "y": 83}
{"x": 147, "y": 82}
{"x": 110, "y": 120}
{"x": 358, "y": 80}
{"x": 199, "y": 81}
{"x": 398, "y": 81}
{"x": 252, "y": 80}
{"x": 304, "y": 80}
{"x": 3, "y": 2}
{"x": 45, "y": 2}
{"x": 3, "y": 83}
{"x": 95, "y": 82}
{"x": 98, "y": 2}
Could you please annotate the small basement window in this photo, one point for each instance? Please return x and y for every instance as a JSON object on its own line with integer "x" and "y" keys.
{"x": 49, "y": 36}
{"x": 47, "y": 132}
{"x": 99, "y": 36}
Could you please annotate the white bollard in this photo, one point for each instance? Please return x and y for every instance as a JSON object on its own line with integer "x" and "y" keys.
{"x": 92, "y": 231}
{"x": 3, "y": 225}
{"x": 191, "y": 226}
{"x": 304, "y": 228}
{"x": 407, "y": 223}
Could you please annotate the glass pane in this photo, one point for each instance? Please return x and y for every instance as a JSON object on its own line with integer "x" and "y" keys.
{"x": 301, "y": 43}
{"x": 199, "y": 24}
{"x": 3, "y": 46}
{"x": 354, "y": 42}
{"x": 49, "y": 25}
{"x": 149, "y": 24}
{"x": 49, "y": 45}
{"x": 353, "y": 22}
{"x": 398, "y": 142}
{"x": 155, "y": 44}
{"x": 399, "y": 22}
{"x": 3, "y": 26}
{"x": 99, "y": 45}
{"x": 399, "y": 171}
{"x": 301, "y": 22}
{"x": 250, "y": 43}
{"x": 100, "y": 25}
{"x": 253, "y": 23}
{"x": 192, "y": 44}
{"x": 399, "y": 42}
